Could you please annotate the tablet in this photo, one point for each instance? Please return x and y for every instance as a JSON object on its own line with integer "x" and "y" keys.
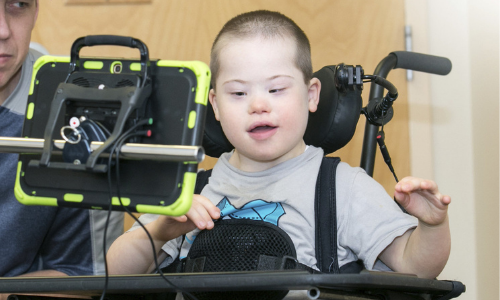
{"x": 81, "y": 101}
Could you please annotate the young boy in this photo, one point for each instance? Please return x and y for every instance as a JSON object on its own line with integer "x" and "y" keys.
{"x": 263, "y": 92}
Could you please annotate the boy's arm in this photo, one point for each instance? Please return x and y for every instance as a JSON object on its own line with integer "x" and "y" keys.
{"x": 423, "y": 251}
{"x": 131, "y": 253}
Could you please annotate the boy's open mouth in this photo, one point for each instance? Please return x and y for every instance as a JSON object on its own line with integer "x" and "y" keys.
{"x": 261, "y": 129}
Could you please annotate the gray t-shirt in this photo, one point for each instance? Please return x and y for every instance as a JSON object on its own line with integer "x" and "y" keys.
{"x": 368, "y": 220}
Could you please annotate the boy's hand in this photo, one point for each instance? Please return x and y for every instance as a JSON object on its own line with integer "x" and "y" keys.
{"x": 200, "y": 216}
{"x": 422, "y": 199}
{"x": 425, "y": 249}
{"x": 131, "y": 252}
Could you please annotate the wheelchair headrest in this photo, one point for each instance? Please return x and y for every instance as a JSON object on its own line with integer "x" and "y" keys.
{"x": 331, "y": 127}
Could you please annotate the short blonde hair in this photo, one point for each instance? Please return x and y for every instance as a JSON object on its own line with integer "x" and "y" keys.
{"x": 268, "y": 24}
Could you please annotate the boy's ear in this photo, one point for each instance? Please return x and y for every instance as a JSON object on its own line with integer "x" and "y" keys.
{"x": 313, "y": 94}
{"x": 213, "y": 101}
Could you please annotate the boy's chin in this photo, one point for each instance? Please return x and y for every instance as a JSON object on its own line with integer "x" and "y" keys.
{"x": 266, "y": 156}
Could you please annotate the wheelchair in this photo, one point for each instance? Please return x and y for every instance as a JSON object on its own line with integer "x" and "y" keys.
{"x": 331, "y": 128}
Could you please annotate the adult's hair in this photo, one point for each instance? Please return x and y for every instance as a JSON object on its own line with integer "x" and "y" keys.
{"x": 268, "y": 24}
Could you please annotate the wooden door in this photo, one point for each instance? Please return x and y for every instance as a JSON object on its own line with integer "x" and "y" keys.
{"x": 356, "y": 32}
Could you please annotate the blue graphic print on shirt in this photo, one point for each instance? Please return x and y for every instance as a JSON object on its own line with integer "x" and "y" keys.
{"x": 254, "y": 210}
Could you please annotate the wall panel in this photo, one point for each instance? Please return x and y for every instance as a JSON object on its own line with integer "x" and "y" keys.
{"x": 353, "y": 32}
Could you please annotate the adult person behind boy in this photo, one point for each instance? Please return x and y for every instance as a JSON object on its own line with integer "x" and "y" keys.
{"x": 36, "y": 240}
{"x": 263, "y": 92}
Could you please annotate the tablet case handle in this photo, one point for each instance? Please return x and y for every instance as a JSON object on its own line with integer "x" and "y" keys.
{"x": 109, "y": 40}
{"x": 130, "y": 98}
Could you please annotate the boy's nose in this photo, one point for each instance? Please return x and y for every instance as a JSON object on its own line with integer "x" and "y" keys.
{"x": 259, "y": 104}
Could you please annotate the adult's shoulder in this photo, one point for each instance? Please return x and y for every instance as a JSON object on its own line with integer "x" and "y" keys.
{"x": 33, "y": 55}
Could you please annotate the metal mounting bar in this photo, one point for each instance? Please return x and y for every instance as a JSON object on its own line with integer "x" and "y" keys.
{"x": 128, "y": 151}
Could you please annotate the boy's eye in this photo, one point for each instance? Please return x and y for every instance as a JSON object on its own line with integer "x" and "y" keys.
{"x": 276, "y": 90}
{"x": 238, "y": 94}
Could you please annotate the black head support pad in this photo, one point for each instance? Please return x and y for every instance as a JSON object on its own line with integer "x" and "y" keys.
{"x": 331, "y": 127}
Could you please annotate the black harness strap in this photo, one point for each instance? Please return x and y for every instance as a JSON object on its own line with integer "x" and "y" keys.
{"x": 325, "y": 210}
{"x": 201, "y": 180}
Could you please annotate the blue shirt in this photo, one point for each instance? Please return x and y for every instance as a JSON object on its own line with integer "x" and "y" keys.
{"x": 36, "y": 237}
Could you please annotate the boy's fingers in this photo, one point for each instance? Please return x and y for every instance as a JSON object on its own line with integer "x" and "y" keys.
{"x": 410, "y": 184}
{"x": 181, "y": 219}
{"x": 446, "y": 200}
{"x": 401, "y": 198}
{"x": 202, "y": 212}
{"x": 429, "y": 185}
{"x": 198, "y": 216}
{"x": 212, "y": 210}
{"x": 404, "y": 185}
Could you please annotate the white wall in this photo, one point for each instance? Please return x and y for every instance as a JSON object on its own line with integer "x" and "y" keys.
{"x": 484, "y": 45}
{"x": 464, "y": 128}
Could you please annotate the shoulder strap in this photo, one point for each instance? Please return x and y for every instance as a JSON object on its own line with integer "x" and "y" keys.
{"x": 325, "y": 211}
{"x": 201, "y": 180}
{"x": 325, "y": 206}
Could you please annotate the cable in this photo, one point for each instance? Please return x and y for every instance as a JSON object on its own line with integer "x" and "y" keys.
{"x": 382, "y": 82}
{"x": 155, "y": 258}
{"x": 110, "y": 159}
{"x": 103, "y": 127}
{"x": 376, "y": 115}
{"x": 387, "y": 159}
{"x": 116, "y": 151}
{"x": 385, "y": 152}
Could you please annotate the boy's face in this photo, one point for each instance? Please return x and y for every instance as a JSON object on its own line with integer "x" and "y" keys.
{"x": 262, "y": 102}
{"x": 17, "y": 19}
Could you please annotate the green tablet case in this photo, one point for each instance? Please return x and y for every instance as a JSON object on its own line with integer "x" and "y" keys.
{"x": 176, "y": 97}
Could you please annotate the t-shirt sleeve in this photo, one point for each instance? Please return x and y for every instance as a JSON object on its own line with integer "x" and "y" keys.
{"x": 144, "y": 219}
{"x": 370, "y": 218}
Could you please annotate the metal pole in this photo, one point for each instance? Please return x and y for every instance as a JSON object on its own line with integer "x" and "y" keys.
{"x": 128, "y": 151}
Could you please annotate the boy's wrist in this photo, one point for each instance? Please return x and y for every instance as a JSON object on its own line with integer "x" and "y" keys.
{"x": 432, "y": 226}
{"x": 155, "y": 230}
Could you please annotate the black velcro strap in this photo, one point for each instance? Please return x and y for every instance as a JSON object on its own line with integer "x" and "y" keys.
{"x": 354, "y": 267}
{"x": 195, "y": 265}
{"x": 273, "y": 263}
{"x": 325, "y": 210}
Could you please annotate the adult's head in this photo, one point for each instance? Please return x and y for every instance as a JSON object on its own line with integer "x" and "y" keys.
{"x": 17, "y": 20}
{"x": 267, "y": 24}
